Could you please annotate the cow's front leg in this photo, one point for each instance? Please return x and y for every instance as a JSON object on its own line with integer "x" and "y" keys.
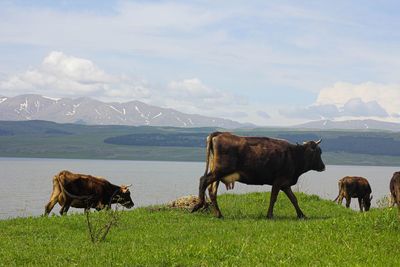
{"x": 205, "y": 181}
{"x": 274, "y": 195}
{"x": 289, "y": 193}
{"x": 212, "y": 191}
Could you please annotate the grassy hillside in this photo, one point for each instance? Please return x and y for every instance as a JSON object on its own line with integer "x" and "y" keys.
{"x": 52, "y": 140}
{"x": 332, "y": 236}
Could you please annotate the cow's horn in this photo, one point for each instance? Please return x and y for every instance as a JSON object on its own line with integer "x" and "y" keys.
{"x": 128, "y": 185}
{"x": 319, "y": 141}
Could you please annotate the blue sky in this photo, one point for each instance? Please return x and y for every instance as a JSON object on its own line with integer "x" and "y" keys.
{"x": 266, "y": 62}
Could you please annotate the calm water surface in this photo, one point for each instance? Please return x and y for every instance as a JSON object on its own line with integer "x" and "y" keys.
{"x": 26, "y": 184}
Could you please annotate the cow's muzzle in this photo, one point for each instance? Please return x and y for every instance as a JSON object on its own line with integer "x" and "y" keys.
{"x": 128, "y": 204}
{"x": 321, "y": 168}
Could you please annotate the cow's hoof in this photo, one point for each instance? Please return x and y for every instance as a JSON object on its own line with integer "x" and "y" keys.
{"x": 270, "y": 217}
{"x": 219, "y": 216}
{"x": 197, "y": 207}
{"x": 303, "y": 217}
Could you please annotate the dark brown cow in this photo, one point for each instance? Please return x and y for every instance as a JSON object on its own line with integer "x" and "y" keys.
{"x": 355, "y": 187}
{"x": 257, "y": 161}
{"x": 395, "y": 189}
{"x": 86, "y": 191}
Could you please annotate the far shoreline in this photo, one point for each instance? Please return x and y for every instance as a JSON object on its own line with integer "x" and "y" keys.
{"x": 22, "y": 158}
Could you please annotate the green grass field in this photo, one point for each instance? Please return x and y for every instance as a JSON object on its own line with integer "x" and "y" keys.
{"x": 331, "y": 236}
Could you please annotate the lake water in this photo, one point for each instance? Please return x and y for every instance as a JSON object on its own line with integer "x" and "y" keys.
{"x": 26, "y": 184}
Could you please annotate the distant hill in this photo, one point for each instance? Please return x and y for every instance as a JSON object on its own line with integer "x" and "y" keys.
{"x": 54, "y": 140}
{"x": 350, "y": 125}
{"x": 93, "y": 112}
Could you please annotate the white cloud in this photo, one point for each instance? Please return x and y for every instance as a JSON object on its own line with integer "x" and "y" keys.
{"x": 192, "y": 88}
{"x": 313, "y": 112}
{"x": 357, "y": 108}
{"x": 63, "y": 75}
{"x": 386, "y": 95}
{"x": 73, "y": 68}
{"x": 353, "y": 108}
{"x": 193, "y": 96}
{"x": 346, "y": 100}
{"x": 263, "y": 114}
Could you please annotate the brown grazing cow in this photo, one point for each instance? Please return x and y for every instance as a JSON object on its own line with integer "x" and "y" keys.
{"x": 257, "y": 161}
{"x": 86, "y": 191}
{"x": 395, "y": 189}
{"x": 355, "y": 187}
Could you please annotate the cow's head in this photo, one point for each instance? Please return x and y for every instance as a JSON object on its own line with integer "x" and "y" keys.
{"x": 367, "y": 202}
{"x": 123, "y": 196}
{"x": 312, "y": 155}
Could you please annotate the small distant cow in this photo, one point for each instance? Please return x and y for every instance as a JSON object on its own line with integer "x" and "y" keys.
{"x": 355, "y": 187}
{"x": 395, "y": 189}
{"x": 86, "y": 191}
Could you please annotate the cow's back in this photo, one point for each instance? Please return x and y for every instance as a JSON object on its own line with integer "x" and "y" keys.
{"x": 81, "y": 184}
{"x": 356, "y": 186}
{"x": 259, "y": 159}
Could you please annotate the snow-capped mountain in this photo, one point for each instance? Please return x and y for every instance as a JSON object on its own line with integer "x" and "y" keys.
{"x": 351, "y": 125}
{"x": 91, "y": 111}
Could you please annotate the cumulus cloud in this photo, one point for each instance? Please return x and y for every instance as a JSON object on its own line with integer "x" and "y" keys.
{"x": 64, "y": 75}
{"x": 346, "y": 100}
{"x": 73, "y": 68}
{"x": 192, "y": 88}
{"x": 357, "y": 108}
{"x": 263, "y": 114}
{"x": 353, "y": 108}
{"x": 386, "y": 95}
{"x": 195, "y": 93}
{"x": 312, "y": 112}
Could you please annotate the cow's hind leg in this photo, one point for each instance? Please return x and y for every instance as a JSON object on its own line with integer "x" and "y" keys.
{"x": 205, "y": 181}
{"x": 212, "y": 191}
{"x": 289, "y": 193}
{"x": 274, "y": 196}
{"x": 348, "y": 201}
{"x": 65, "y": 207}
{"x": 361, "y": 203}
{"x": 340, "y": 200}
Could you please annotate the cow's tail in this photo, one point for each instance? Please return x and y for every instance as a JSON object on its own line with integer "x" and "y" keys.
{"x": 340, "y": 191}
{"x": 209, "y": 151}
{"x": 336, "y": 197}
